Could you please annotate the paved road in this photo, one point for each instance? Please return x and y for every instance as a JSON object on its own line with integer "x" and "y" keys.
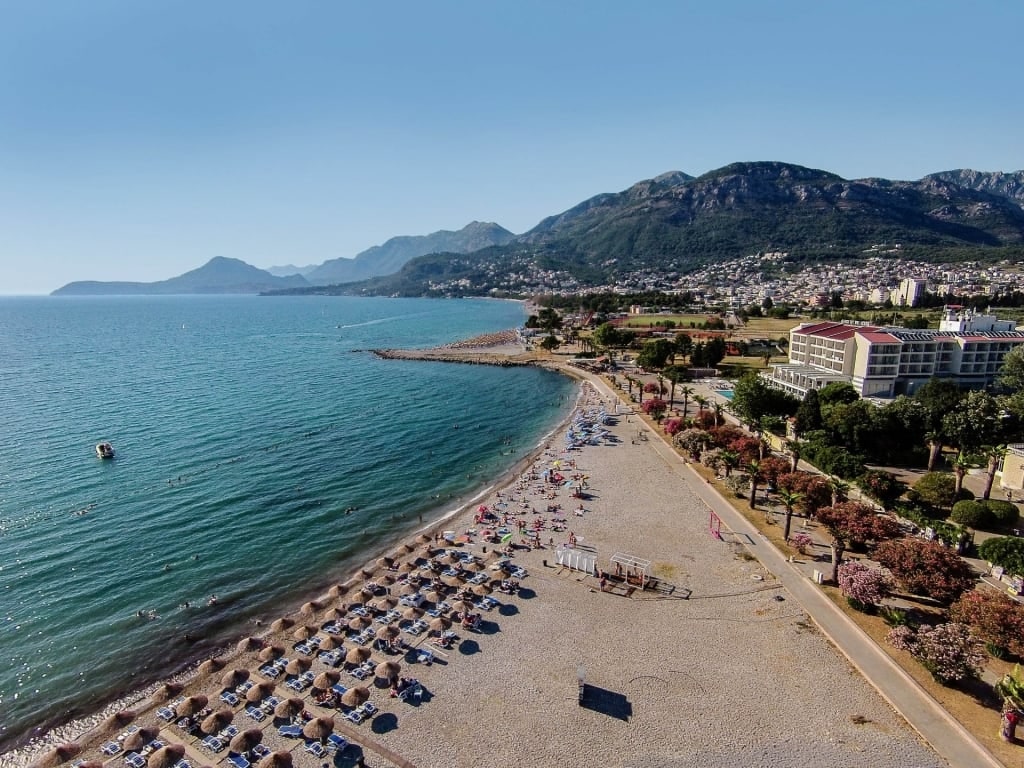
{"x": 935, "y": 725}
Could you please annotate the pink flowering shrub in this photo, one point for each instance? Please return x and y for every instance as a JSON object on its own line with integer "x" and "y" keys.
{"x": 863, "y": 587}
{"x": 802, "y": 542}
{"x": 948, "y": 650}
{"x": 655, "y": 407}
{"x": 672, "y": 426}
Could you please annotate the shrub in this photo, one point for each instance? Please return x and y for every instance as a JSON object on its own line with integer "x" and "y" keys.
{"x": 672, "y": 426}
{"x": 738, "y": 483}
{"x": 1004, "y": 513}
{"x": 926, "y": 568}
{"x": 801, "y": 542}
{"x": 1007, "y": 551}
{"x": 973, "y": 514}
{"x": 693, "y": 441}
{"x": 937, "y": 489}
{"x": 948, "y": 651}
{"x": 655, "y": 407}
{"x": 883, "y": 487}
{"x": 994, "y": 617}
{"x": 863, "y": 587}
{"x": 949, "y": 534}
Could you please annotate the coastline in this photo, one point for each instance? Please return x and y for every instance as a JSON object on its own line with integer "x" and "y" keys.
{"x": 31, "y": 749}
{"x": 656, "y": 664}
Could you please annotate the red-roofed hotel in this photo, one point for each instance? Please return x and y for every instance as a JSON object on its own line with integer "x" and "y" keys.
{"x": 889, "y": 361}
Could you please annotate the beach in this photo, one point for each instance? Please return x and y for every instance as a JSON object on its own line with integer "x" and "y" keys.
{"x": 718, "y": 667}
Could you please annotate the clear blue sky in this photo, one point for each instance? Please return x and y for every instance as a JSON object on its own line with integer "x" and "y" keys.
{"x": 140, "y": 139}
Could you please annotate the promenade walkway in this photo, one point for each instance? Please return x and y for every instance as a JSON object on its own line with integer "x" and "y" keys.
{"x": 935, "y": 725}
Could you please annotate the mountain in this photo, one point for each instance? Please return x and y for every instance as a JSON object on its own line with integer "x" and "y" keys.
{"x": 391, "y": 256}
{"x": 1009, "y": 185}
{"x": 675, "y": 223}
{"x": 290, "y": 269}
{"x": 219, "y": 275}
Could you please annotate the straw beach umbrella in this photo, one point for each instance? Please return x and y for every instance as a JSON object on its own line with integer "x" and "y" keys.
{"x": 191, "y": 706}
{"x": 216, "y": 722}
{"x": 259, "y": 692}
{"x": 249, "y": 644}
{"x": 388, "y": 632}
{"x": 357, "y": 655}
{"x": 305, "y": 632}
{"x": 168, "y": 691}
{"x": 166, "y": 756}
{"x": 406, "y": 548}
{"x": 412, "y": 613}
{"x": 235, "y": 677}
{"x": 433, "y": 596}
{"x": 282, "y": 624}
{"x": 289, "y": 708}
{"x": 318, "y": 728}
{"x": 353, "y": 697}
{"x": 298, "y": 665}
{"x": 328, "y": 644}
{"x": 424, "y": 539}
{"x": 118, "y": 720}
{"x": 333, "y": 614}
{"x": 387, "y": 670}
{"x": 59, "y": 754}
{"x": 386, "y": 562}
{"x": 337, "y": 590}
{"x": 440, "y": 624}
{"x": 210, "y": 666}
{"x": 280, "y": 759}
{"x": 271, "y": 652}
{"x": 359, "y": 623}
{"x": 310, "y": 607}
{"x": 451, "y": 581}
{"x": 136, "y": 741}
{"x": 481, "y": 589}
{"x": 366, "y": 595}
{"x": 408, "y": 589}
{"x": 461, "y": 606}
{"x": 246, "y": 740}
{"x": 385, "y": 604}
{"x": 325, "y": 680}
{"x": 407, "y": 567}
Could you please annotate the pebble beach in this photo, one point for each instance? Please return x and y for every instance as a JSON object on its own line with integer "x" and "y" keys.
{"x": 718, "y": 667}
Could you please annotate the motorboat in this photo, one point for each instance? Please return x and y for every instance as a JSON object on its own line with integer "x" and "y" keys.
{"x": 104, "y": 450}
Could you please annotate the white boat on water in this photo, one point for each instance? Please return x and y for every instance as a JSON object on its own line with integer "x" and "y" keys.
{"x": 104, "y": 450}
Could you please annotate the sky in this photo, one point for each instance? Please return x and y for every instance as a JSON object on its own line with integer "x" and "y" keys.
{"x": 138, "y": 140}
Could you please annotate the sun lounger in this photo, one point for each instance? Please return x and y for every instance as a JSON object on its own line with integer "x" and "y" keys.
{"x": 261, "y": 750}
{"x": 316, "y": 748}
{"x": 336, "y": 743}
{"x": 333, "y": 628}
{"x": 256, "y": 713}
{"x": 359, "y": 673}
{"x": 425, "y": 657}
{"x": 369, "y": 709}
{"x": 230, "y": 698}
{"x": 297, "y": 684}
{"x": 134, "y": 760}
{"x": 237, "y": 760}
{"x": 354, "y": 717}
{"x": 166, "y": 714}
{"x": 339, "y": 689}
{"x": 268, "y": 704}
{"x": 271, "y": 671}
{"x": 183, "y": 763}
{"x": 304, "y": 648}
{"x": 110, "y": 748}
{"x": 331, "y": 658}
{"x": 291, "y": 731}
{"x": 213, "y": 744}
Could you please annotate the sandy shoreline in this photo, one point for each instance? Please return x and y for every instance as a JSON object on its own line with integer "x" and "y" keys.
{"x": 730, "y": 676}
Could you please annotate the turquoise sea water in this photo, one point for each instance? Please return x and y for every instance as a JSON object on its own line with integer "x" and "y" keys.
{"x": 244, "y": 428}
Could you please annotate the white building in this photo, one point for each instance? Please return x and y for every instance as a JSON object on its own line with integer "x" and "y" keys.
{"x": 885, "y": 362}
{"x": 908, "y": 292}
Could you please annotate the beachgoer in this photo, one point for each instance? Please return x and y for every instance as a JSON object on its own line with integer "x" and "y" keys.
{"x": 604, "y": 583}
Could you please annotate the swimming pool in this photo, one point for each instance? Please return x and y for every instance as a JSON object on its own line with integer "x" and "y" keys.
{"x": 726, "y": 393}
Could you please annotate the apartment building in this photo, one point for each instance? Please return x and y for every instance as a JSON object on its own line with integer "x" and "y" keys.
{"x": 884, "y": 362}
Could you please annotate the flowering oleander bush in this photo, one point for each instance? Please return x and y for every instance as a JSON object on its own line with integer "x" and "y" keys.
{"x": 926, "y": 568}
{"x": 994, "y": 618}
{"x": 948, "y": 651}
{"x": 694, "y": 441}
{"x": 655, "y": 407}
{"x": 672, "y": 426}
{"x": 863, "y": 587}
{"x": 801, "y": 541}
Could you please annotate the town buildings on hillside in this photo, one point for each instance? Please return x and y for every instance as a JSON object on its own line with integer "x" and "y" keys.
{"x": 884, "y": 362}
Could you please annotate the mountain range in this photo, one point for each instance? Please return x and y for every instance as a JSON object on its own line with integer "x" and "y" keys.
{"x": 676, "y": 222}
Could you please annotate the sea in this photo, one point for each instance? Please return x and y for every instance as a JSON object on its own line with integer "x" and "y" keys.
{"x": 262, "y": 453}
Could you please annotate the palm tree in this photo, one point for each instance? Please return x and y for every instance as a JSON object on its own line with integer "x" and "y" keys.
{"x": 701, "y": 401}
{"x": 687, "y": 391}
{"x": 960, "y": 467}
{"x": 754, "y": 468}
{"x": 794, "y": 448}
{"x": 994, "y": 454}
{"x": 789, "y": 500}
{"x": 840, "y": 489}
{"x": 730, "y": 460}
{"x": 719, "y": 419}
{"x": 934, "y": 441}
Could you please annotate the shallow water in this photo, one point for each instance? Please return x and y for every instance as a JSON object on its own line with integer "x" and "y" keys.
{"x": 259, "y": 454}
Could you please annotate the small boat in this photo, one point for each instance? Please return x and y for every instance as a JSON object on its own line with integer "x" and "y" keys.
{"x": 104, "y": 450}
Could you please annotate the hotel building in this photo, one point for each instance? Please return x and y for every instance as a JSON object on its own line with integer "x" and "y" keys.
{"x": 885, "y": 362}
